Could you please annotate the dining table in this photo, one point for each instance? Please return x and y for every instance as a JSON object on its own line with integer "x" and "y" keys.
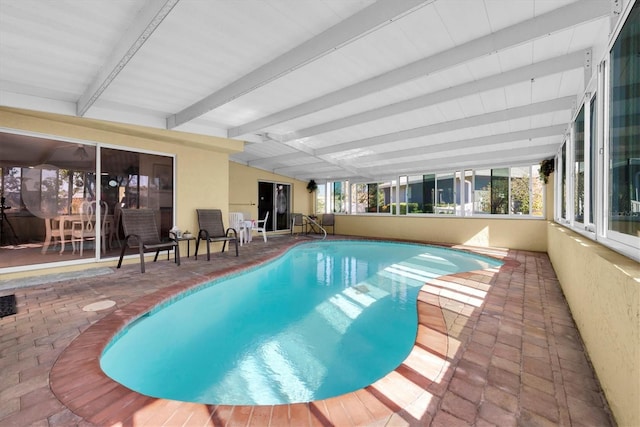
{"x": 65, "y": 219}
{"x": 249, "y": 225}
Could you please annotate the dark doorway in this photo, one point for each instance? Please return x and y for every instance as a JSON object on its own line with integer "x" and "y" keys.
{"x": 275, "y": 198}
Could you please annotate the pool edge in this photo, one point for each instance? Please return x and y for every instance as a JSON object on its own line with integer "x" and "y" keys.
{"x": 78, "y": 382}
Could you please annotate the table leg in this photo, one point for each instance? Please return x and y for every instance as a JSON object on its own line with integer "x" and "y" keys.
{"x": 62, "y": 238}
{"x": 47, "y": 238}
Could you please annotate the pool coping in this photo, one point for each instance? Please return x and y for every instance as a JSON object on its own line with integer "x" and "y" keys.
{"x": 411, "y": 391}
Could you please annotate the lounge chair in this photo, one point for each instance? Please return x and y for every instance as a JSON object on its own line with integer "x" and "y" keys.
{"x": 141, "y": 232}
{"x": 211, "y": 229}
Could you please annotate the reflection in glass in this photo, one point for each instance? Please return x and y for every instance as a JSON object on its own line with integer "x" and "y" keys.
{"x": 624, "y": 129}
{"x": 45, "y": 189}
{"x": 133, "y": 180}
{"x": 519, "y": 189}
{"x": 445, "y": 194}
{"x": 491, "y": 194}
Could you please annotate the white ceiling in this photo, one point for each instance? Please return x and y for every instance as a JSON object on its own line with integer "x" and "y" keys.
{"x": 320, "y": 89}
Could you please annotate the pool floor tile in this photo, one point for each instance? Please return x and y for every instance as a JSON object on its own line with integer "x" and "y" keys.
{"x": 493, "y": 347}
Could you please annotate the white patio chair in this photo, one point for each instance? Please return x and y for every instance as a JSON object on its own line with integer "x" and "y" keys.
{"x": 261, "y": 226}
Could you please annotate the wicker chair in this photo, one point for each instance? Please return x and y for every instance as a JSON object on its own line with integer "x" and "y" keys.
{"x": 212, "y": 229}
{"x": 141, "y": 232}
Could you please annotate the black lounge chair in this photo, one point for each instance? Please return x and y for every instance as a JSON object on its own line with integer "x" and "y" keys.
{"x": 141, "y": 232}
{"x": 212, "y": 229}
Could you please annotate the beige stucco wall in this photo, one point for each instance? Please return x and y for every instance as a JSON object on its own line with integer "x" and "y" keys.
{"x": 602, "y": 288}
{"x": 202, "y": 165}
{"x": 522, "y": 234}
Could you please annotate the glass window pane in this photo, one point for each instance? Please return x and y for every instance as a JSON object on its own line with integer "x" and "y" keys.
{"x": 500, "y": 191}
{"x": 339, "y": 196}
{"x": 624, "y": 131}
{"x": 482, "y": 192}
{"x": 372, "y": 199}
{"x": 11, "y": 185}
{"x": 133, "y": 180}
{"x": 384, "y": 197}
{"x": 537, "y": 192}
{"x": 520, "y": 181}
{"x": 445, "y": 194}
{"x": 320, "y": 199}
{"x": 39, "y": 188}
{"x": 593, "y": 155}
{"x": 563, "y": 182}
{"x": 429, "y": 192}
{"x": 491, "y": 191}
{"x": 415, "y": 194}
{"x": 578, "y": 177}
{"x": 359, "y": 198}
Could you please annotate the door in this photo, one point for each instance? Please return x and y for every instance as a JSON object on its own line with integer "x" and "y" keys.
{"x": 275, "y": 198}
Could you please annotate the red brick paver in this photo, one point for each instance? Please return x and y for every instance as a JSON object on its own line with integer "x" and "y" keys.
{"x": 494, "y": 347}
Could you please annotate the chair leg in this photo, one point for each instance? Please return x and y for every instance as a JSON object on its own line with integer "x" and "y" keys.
{"x": 124, "y": 247}
{"x": 141, "y": 259}
{"x": 176, "y": 254}
{"x": 264, "y": 235}
{"x": 208, "y": 250}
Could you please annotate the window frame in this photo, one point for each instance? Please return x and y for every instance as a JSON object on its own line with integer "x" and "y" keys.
{"x": 597, "y": 170}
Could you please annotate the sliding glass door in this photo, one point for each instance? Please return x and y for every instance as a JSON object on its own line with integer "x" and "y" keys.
{"x": 275, "y": 198}
{"x": 51, "y": 187}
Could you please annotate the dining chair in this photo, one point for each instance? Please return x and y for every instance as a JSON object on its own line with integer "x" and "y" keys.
{"x": 85, "y": 229}
{"x": 56, "y": 230}
{"x": 105, "y": 226}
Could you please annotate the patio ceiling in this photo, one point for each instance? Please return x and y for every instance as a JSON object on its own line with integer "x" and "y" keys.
{"x": 319, "y": 89}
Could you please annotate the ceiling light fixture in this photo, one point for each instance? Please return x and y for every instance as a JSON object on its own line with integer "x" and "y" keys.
{"x": 81, "y": 153}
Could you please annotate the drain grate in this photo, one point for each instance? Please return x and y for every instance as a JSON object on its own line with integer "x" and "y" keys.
{"x": 8, "y": 305}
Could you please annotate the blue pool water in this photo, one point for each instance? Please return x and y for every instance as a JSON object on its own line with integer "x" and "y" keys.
{"x": 324, "y": 319}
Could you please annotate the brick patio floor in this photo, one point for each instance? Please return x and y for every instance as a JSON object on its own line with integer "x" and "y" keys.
{"x": 494, "y": 347}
